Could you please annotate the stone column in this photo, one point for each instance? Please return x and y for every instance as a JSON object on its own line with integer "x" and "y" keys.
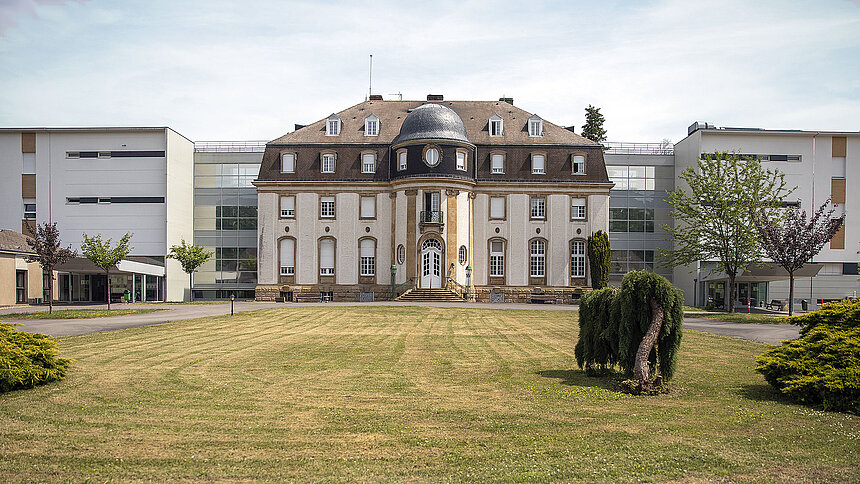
{"x": 451, "y": 229}
{"x": 411, "y": 234}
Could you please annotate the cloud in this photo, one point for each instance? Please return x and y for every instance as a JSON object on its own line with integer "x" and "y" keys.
{"x": 11, "y": 11}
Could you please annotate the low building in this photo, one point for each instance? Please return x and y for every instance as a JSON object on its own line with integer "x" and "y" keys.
{"x": 20, "y": 281}
{"x": 431, "y": 194}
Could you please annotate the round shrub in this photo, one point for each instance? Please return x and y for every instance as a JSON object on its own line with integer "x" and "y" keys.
{"x": 28, "y": 359}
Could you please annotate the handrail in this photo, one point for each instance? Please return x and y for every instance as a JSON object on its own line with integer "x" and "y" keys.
{"x": 462, "y": 290}
{"x": 395, "y": 290}
{"x": 432, "y": 217}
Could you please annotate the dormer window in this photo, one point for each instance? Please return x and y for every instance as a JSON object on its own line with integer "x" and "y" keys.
{"x": 535, "y": 126}
{"x": 496, "y": 125}
{"x": 332, "y": 127}
{"x": 371, "y": 125}
{"x": 368, "y": 162}
{"x": 578, "y": 164}
{"x": 538, "y": 164}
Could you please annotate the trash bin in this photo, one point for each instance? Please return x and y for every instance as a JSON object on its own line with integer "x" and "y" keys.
{"x": 804, "y": 304}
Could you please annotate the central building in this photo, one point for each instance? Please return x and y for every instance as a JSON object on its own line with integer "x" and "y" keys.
{"x": 429, "y": 194}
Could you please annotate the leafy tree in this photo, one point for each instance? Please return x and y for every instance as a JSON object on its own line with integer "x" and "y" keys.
{"x": 599, "y": 257}
{"x": 46, "y": 244}
{"x": 715, "y": 215}
{"x": 103, "y": 255}
{"x": 793, "y": 241}
{"x": 191, "y": 257}
{"x": 593, "y": 127}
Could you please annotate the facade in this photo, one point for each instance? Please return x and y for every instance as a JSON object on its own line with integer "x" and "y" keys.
{"x": 225, "y": 217}
{"x": 820, "y": 165}
{"x": 20, "y": 281}
{"x": 106, "y": 181}
{"x": 477, "y": 193}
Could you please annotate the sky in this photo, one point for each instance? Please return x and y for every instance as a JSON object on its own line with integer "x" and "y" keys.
{"x": 250, "y": 70}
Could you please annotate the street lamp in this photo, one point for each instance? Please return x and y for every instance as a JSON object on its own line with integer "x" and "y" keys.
{"x": 232, "y": 298}
{"x": 393, "y": 275}
{"x": 469, "y": 282}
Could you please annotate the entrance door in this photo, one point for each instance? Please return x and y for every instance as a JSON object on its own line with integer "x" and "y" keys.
{"x": 431, "y": 264}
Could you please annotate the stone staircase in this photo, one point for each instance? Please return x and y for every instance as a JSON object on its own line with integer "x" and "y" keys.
{"x": 429, "y": 295}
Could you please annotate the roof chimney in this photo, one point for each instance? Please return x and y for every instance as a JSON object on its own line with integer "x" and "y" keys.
{"x": 435, "y": 97}
{"x": 508, "y": 100}
{"x": 376, "y": 97}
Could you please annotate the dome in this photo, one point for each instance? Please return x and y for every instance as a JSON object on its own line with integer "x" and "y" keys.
{"x": 432, "y": 121}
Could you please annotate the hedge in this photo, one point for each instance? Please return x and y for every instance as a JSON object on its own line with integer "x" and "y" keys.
{"x": 28, "y": 359}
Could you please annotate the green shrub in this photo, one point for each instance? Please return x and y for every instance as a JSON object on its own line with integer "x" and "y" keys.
{"x": 599, "y": 258}
{"x": 593, "y": 348}
{"x": 28, "y": 359}
{"x": 823, "y": 365}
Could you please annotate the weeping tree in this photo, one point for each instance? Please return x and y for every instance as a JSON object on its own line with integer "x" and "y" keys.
{"x": 191, "y": 257}
{"x": 793, "y": 240}
{"x": 103, "y": 255}
{"x": 599, "y": 258}
{"x": 593, "y": 350}
{"x": 45, "y": 242}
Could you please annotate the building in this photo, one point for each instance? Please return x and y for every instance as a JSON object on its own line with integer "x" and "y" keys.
{"x": 477, "y": 193}
{"x": 20, "y": 281}
{"x": 820, "y": 164}
{"x": 106, "y": 181}
{"x": 225, "y": 217}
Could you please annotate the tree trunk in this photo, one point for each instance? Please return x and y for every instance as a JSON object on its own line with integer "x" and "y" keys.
{"x": 641, "y": 372}
{"x": 190, "y": 287}
{"x": 790, "y": 293}
{"x": 50, "y": 291}
{"x": 731, "y": 291}
{"x": 107, "y": 276}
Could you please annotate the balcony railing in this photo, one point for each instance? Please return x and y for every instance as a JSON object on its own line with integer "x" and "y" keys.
{"x": 230, "y": 146}
{"x": 616, "y": 148}
{"x": 431, "y": 217}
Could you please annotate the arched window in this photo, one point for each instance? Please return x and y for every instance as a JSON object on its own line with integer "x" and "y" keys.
{"x": 577, "y": 259}
{"x": 371, "y": 125}
{"x": 497, "y": 258}
{"x": 431, "y": 244}
{"x": 327, "y": 257}
{"x": 288, "y": 257}
{"x": 462, "y": 255}
{"x": 537, "y": 259}
{"x": 401, "y": 254}
{"x": 367, "y": 257}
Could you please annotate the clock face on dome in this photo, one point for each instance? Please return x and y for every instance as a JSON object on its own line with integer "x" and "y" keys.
{"x": 431, "y": 156}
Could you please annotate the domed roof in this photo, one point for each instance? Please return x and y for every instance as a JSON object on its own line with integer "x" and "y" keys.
{"x": 432, "y": 121}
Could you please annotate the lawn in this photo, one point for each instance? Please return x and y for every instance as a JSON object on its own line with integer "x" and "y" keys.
{"x": 74, "y": 314}
{"x": 741, "y": 317}
{"x": 404, "y": 394}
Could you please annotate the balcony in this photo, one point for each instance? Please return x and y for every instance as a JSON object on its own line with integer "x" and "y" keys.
{"x": 431, "y": 217}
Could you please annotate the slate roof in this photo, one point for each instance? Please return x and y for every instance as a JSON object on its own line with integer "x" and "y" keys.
{"x": 432, "y": 121}
{"x": 11, "y": 241}
{"x": 474, "y": 114}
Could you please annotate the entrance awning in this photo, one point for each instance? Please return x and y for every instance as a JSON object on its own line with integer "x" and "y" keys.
{"x": 766, "y": 273}
{"x": 81, "y": 265}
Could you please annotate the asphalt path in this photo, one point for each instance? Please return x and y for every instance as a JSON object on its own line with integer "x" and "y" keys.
{"x": 764, "y": 333}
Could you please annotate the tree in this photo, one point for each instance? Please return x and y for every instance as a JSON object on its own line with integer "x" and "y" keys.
{"x": 46, "y": 244}
{"x": 191, "y": 257}
{"x": 593, "y": 127}
{"x": 103, "y": 255}
{"x": 793, "y": 241}
{"x": 714, "y": 218}
{"x": 599, "y": 258}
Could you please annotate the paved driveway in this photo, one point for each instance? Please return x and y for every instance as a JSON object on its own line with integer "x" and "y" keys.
{"x": 763, "y": 333}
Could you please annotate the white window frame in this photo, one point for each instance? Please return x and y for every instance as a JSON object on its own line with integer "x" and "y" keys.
{"x": 497, "y": 259}
{"x": 537, "y": 206}
{"x": 368, "y": 167}
{"x": 538, "y": 170}
{"x": 462, "y": 255}
{"x": 328, "y": 271}
{"x": 537, "y": 258}
{"x": 292, "y": 165}
{"x": 328, "y": 159}
{"x": 494, "y": 169}
{"x": 371, "y": 125}
{"x": 535, "y": 127}
{"x": 577, "y": 165}
{"x": 327, "y": 207}
{"x": 286, "y": 212}
{"x": 402, "y": 159}
{"x": 286, "y": 268}
{"x": 367, "y": 263}
{"x": 462, "y": 158}
{"x": 577, "y": 259}
{"x": 401, "y": 254}
{"x": 333, "y": 126}
{"x": 497, "y": 125}
{"x": 578, "y": 211}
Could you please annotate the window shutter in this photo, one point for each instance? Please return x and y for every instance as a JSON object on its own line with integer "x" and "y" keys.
{"x": 497, "y": 207}
{"x": 367, "y": 248}
{"x": 538, "y": 165}
{"x": 368, "y": 207}
{"x": 327, "y": 254}
{"x": 288, "y": 252}
{"x": 288, "y": 205}
{"x": 498, "y": 164}
{"x": 496, "y": 247}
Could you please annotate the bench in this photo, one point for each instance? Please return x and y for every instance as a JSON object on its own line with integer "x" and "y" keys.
{"x": 774, "y": 304}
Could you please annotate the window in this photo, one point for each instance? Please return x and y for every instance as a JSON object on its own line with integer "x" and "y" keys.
{"x": 497, "y": 163}
{"x": 538, "y": 165}
{"x": 401, "y": 160}
{"x": 578, "y": 164}
{"x": 577, "y": 209}
{"x": 326, "y": 207}
{"x": 104, "y": 154}
{"x": 288, "y": 163}
{"x": 371, "y": 125}
{"x": 431, "y": 156}
{"x": 632, "y": 177}
{"x": 577, "y": 259}
{"x": 29, "y": 211}
{"x": 535, "y": 126}
{"x": 327, "y": 257}
{"x": 461, "y": 160}
{"x": 497, "y": 258}
{"x": 461, "y": 255}
{"x": 537, "y": 267}
{"x": 367, "y": 257}
{"x": 368, "y": 163}
{"x": 631, "y": 219}
{"x": 327, "y": 164}
{"x": 401, "y": 254}
{"x": 332, "y": 127}
{"x": 288, "y": 207}
{"x": 288, "y": 257}
{"x": 497, "y": 208}
{"x": 496, "y": 125}
{"x": 367, "y": 207}
{"x": 73, "y": 154}
{"x": 538, "y": 205}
